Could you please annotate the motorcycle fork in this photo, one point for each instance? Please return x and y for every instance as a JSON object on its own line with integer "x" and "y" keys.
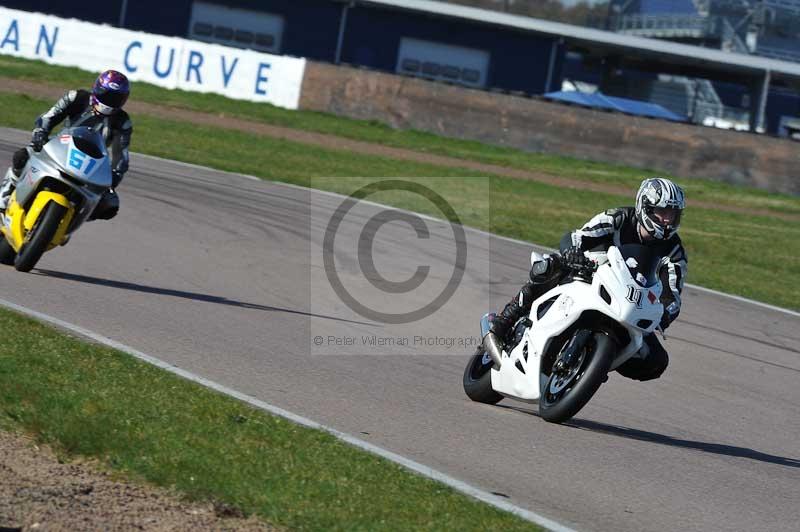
{"x": 15, "y": 217}
{"x": 22, "y": 220}
{"x": 572, "y": 352}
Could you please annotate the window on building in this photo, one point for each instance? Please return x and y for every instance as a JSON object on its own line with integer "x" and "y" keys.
{"x": 443, "y": 62}
{"x": 240, "y": 28}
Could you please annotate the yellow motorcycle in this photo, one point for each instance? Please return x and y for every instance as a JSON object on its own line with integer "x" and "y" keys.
{"x": 57, "y": 191}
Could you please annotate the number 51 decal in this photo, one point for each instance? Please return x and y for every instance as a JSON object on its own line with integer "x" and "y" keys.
{"x": 77, "y": 160}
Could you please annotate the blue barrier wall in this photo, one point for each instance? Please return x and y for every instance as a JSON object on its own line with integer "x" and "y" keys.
{"x": 164, "y": 18}
{"x": 99, "y": 12}
{"x": 781, "y": 102}
{"x": 519, "y": 61}
{"x": 311, "y": 26}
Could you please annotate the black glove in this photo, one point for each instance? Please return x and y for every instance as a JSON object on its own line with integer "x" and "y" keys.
{"x": 574, "y": 258}
{"x": 38, "y": 139}
{"x": 671, "y": 312}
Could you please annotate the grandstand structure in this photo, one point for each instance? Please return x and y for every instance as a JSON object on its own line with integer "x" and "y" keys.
{"x": 681, "y": 76}
{"x": 768, "y": 28}
{"x": 764, "y": 28}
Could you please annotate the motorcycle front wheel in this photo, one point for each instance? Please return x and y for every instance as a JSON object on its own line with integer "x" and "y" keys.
{"x": 39, "y": 237}
{"x": 478, "y": 378}
{"x": 569, "y": 388}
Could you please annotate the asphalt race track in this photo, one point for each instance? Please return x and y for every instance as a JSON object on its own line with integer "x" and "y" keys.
{"x": 223, "y": 276}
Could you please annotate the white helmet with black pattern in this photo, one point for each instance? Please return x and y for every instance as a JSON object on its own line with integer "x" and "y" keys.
{"x": 659, "y": 205}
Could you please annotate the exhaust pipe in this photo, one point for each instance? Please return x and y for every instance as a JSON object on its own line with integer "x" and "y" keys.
{"x": 490, "y": 342}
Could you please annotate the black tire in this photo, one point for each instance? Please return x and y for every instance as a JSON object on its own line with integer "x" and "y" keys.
{"x": 40, "y": 237}
{"x": 478, "y": 379}
{"x": 559, "y": 407}
{"x": 7, "y": 253}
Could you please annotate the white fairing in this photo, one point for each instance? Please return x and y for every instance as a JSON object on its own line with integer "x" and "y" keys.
{"x": 519, "y": 374}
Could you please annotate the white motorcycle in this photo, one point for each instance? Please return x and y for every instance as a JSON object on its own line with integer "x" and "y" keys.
{"x": 576, "y": 333}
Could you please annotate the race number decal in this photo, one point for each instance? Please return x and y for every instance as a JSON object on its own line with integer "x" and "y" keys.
{"x": 81, "y": 163}
{"x": 634, "y": 296}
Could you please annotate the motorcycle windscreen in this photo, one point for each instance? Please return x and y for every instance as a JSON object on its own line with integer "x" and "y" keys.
{"x": 89, "y": 141}
{"x": 82, "y": 154}
{"x": 642, "y": 263}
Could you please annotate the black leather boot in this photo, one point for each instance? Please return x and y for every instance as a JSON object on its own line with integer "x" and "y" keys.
{"x": 502, "y": 323}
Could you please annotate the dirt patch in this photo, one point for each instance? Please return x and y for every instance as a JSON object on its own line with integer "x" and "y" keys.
{"x": 37, "y": 492}
{"x": 39, "y": 90}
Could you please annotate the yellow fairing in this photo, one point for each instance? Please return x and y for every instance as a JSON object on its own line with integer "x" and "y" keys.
{"x": 22, "y": 222}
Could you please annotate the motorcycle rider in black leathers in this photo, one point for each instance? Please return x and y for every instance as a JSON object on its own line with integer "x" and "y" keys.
{"x": 653, "y": 222}
{"x": 100, "y": 109}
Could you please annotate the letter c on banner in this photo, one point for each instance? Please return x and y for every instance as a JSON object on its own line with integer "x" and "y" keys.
{"x": 131, "y": 46}
{"x": 260, "y": 77}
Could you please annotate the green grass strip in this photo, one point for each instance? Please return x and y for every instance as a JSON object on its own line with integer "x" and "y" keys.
{"x": 92, "y": 401}
{"x": 740, "y": 254}
{"x": 374, "y": 132}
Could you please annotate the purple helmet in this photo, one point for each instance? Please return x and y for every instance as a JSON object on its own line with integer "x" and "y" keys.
{"x": 110, "y": 92}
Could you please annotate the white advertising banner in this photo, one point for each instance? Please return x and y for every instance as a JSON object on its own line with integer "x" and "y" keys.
{"x": 169, "y": 62}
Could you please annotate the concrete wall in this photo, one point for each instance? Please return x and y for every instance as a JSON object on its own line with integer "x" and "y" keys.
{"x": 540, "y": 126}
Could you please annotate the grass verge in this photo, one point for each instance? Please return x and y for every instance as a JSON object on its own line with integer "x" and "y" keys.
{"x": 92, "y": 401}
{"x": 374, "y": 132}
{"x": 727, "y": 251}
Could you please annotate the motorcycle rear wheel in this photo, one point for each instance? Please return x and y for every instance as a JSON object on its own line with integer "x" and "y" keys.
{"x": 561, "y": 397}
{"x": 478, "y": 379}
{"x": 41, "y": 236}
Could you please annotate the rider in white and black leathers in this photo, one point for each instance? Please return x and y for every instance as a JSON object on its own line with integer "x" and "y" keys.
{"x": 101, "y": 109}
{"x": 654, "y": 222}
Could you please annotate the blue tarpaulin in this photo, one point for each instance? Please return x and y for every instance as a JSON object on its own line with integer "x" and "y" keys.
{"x": 623, "y": 105}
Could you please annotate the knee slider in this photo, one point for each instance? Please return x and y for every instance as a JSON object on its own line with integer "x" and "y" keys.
{"x": 19, "y": 160}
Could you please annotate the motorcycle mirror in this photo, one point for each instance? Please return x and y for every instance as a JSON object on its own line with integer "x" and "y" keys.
{"x": 535, "y": 257}
{"x": 539, "y": 267}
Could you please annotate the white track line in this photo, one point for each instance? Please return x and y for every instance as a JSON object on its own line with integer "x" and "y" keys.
{"x": 416, "y": 467}
{"x": 433, "y": 218}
